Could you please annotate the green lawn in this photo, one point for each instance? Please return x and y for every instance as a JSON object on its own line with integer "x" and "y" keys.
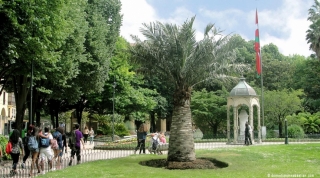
{"x": 293, "y": 160}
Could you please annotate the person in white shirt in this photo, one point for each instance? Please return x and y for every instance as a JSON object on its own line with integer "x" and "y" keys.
{"x": 45, "y": 150}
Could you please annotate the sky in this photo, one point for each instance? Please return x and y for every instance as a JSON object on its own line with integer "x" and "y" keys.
{"x": 281, "y": 22}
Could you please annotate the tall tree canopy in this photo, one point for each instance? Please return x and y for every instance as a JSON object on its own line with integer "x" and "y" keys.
{"x": 313, "y": 33}
{"x": 172, "y": 52}
{"x": 33, "y": 32}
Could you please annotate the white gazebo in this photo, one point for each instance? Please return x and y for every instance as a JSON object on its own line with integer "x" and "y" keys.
{"x": 242, "y": 94}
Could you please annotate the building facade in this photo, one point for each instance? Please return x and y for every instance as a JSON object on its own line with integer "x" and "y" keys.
{"x": 8, "y": 109}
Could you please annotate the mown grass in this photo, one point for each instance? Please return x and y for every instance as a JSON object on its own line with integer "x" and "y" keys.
{"x": 293, "y": 160}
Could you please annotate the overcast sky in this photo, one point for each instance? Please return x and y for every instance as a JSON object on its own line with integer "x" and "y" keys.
{"x": 281, "y": 22}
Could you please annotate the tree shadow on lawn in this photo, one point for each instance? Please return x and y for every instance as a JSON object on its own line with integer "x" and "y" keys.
{"x": 199, "y": 163}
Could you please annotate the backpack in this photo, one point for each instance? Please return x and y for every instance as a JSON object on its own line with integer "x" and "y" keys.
{"x": 32, "y": 143}
{"x": 44, "y": 142}
{"x": 25, "y": 140}
{"x": 155, "y": 143}
{"x": 58, "y": 136}
{"x": 72, "y": 141}
{"x": 8, "y": 147}
{"x": 54, "y": 144}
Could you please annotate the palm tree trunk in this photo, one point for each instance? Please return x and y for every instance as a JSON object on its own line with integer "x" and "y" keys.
{"x": 181, "y": 143}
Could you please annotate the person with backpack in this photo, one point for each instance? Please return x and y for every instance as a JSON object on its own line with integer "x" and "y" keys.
{"x": 45, "y": 148}
{"x": 25, "y": 144}
{"x": 75, "y": 145}
{"x": 17, "y": 145}
{"x": 33, "y": 146}
{"x": 57, "y": 136}
{"x": 141, "y": 139}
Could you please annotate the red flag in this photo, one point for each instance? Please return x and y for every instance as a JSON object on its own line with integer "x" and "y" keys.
{"x": 256, "y": 16}
{"x": 257, "y": 47}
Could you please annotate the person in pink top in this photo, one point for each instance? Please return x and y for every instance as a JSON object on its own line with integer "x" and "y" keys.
{"x": 163, "y": 139}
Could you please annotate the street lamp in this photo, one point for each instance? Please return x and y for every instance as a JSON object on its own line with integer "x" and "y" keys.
{"x": 114, "y": 89}
{"x": 286, "y": 131}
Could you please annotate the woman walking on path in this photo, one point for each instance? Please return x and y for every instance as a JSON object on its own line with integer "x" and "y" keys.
{"x": 35, "y": 153}
{"x": 17, "y": 145}
{"x": 91, "y": 132}
{"x": 141, "y": 138}
{"x": 85, "y": 134}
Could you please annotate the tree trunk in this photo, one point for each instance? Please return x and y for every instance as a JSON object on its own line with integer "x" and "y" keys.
{"x": 181, "y": 147}
{"x": 152, "y": 122}
{"x": 51, "y": 110}
{"x": 280, "y": 128}
{"x": 38, "y": 117}
{"x": 37, "y": 108}
{"x": 215, "y": 130}
{"x": 20, "y": 88}
{"x": 57, "y": 118}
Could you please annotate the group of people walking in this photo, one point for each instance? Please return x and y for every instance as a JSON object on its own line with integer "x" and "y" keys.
{"x": 45, "y": 146}
{"x": 156, "y": 139}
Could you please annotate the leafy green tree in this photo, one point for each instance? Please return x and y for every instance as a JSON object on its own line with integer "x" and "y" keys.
{"x": 279, "y": 104}
{"x": 209, "y": 109}
{"x": 308, "y": 80}
{"x": 172, "y": 52}
{"x": 33, "y": 33}
{"x": 104, "y": 21}
{"x": 85, "y": 57}
{"x": 131, "y": 97}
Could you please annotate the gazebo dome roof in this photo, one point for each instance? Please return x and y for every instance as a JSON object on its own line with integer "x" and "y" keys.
{"x": 243, "y": 89}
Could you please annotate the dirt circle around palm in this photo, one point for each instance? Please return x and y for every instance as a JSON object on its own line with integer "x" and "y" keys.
{"x": 199, "y": 163}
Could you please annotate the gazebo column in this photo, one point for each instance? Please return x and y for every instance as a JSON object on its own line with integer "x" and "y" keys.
{"x": 259, "y": 125}
{"x": 251, "y": 123}
{"x": 228, "y": 124}
{"x": 235, "y": 125}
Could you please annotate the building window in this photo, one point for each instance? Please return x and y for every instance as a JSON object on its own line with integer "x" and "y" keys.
{"x": 4, "y": 98}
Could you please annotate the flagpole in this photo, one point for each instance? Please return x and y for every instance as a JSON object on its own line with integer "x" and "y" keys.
{"x": 261, "y": 71}
{"x": 259, "y": 67}
{"x": 262, "y": 98}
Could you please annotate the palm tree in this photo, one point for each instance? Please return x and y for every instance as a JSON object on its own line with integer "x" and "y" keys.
{"x": 313, "y": 33}
{"x": 173, "y": 53}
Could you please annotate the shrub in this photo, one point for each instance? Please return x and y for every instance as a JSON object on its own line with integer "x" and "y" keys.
{"x": 295, "y": 131}
{"x": 272, "y": 134}
{"x": 3, "y": 143}
{"x": 121, "y": 130}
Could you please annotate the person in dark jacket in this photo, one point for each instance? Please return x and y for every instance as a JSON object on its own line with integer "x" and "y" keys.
{"x": 25, "y": 146}
{"x": 141, "y": 139}
{"x": 247, "y": 140}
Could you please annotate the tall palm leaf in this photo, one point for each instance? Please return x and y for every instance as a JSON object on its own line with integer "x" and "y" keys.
{"x": 172, "y": 52}
{"x": 313, "y": 33}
